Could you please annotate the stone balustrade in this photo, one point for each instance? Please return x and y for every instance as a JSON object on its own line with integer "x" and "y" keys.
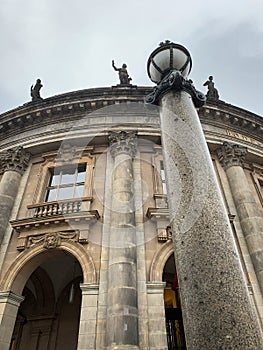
{"x": 65, "y": 207}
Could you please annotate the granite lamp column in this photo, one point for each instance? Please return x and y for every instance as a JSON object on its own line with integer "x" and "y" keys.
{"x": 13, "y": 163}
{"x": 217, "y": 313}
{"x": 122, "y": 311}
{"x": 232, "y": 158}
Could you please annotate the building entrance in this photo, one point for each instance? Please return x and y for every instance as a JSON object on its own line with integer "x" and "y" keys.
{"x": 48, "y": 318}
{"x": 173, "y": 313}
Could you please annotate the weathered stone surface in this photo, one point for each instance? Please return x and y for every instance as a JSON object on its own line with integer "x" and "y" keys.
{"x": 8, "y": 189}
{"x": 122, "y": 308}
{"x": 15, "y": 159}
{"x": 216, "y": 309}
{"x": 249, "y": 215}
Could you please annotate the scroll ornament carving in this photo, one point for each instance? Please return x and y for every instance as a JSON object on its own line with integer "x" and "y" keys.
{"x": 14, "y": 159}
{"x": 231, "y": 155}
{"x": 52, "y": 240}
{"x": 123, "y": 142}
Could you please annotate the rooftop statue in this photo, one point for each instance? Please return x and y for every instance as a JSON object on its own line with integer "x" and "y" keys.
{"x": 123, "y": 74}
{"x": 35, "y": 91}
{"x": 212, "y": 93}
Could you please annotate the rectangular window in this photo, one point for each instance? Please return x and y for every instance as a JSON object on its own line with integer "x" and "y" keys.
{"x": 66, "y": 183}
{"x": 163, "y": 177}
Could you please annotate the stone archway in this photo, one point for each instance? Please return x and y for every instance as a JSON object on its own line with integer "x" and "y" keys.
{"x": 23, "y": 274}
{"x": 159, "y": 261}
{"x": 19, "y": 272}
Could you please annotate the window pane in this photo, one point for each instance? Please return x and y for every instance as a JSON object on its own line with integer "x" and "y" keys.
{"x": 79, "y": 191}
{"x": 81, "y": 176}
{"x": 65, "y": 192}
{"x": 54, "y": 180}
{"x": 51, "y": 195}
{"x": 68, "y": 176}
{"x": 163, "y": 177}
{"x": 164, "y": 188}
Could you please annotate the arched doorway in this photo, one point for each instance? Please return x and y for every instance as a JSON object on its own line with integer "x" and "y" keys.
{"x": 173, "y": 313}
{"x": 48, "y": 318}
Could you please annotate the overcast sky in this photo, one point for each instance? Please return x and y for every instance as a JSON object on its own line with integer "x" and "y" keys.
{"x": 69, "y": 45}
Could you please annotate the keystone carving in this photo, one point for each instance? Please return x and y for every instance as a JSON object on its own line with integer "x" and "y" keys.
{"x": 14, "y": 159}
{"x": 231, "y": 155}
{"x": 122, "y": 142}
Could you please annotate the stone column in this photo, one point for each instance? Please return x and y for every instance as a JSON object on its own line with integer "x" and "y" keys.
{"x": 217, "y": 311}
{"x": 157, "y": 327}
{"x": 88, "y": 317}
{"x": 9, "y": 304}
{"x": 13, "y": 163}
{"x": 122, "y": 311}
{"x": 232, "y": 158}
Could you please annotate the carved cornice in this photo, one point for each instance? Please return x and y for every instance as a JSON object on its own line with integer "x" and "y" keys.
{"x": 63, "y": 107}
{"x": 14, "y": 159}
{"x": 225, "y": 115}
{"x": 74, "y": 105}
{"x": 231, "y": 155}
{"x": 24, "y": 225}
{"x": 158, "y": 213}
{"x": 122, "y": 142}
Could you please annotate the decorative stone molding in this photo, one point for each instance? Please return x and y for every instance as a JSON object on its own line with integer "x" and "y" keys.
{"x": 49, "y": 240}
{"x": 159, "y": 260}
{"x": 67, "y": 153}
{"x": 155, "y": 287}
{"x": 165, "y": 234}
{"x": 89, "y": 288}
{"x": 18, "y": 272}
{"x": 158, "y": 213}
{"x": 122, "y": 142}
{"x": 71, "y": 218}
{"x": 231, "y": 155}
{"x": 67, "y": 106}
{"x": 11, "y": 298}
{"x": 14, "y": 159}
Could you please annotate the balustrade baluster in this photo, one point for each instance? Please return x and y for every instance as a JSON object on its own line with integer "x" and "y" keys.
{"x": 44, "y": 212}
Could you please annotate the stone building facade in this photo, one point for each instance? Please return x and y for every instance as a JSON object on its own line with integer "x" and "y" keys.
{"x": 86, "y": 259}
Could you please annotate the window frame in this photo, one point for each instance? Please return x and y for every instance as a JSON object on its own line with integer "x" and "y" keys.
{"x": 67, "y": 185}
{"x": 49, "y": 161}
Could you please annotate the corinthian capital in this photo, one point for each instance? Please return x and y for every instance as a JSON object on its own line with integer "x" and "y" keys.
{"x": 122, "y": 142}
{"x": 231, "y": 155}
{"x": 14, "y": 159}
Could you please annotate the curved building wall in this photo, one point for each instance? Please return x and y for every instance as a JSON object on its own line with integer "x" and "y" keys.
{"x": 57, "y": 212}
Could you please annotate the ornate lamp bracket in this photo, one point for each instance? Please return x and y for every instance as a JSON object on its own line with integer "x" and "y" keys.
{"x": 176, "y": 82}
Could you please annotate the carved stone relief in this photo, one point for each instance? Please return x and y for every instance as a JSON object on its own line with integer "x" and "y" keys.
{"x": 231, "y": 155}
{"x": 14, "y": 159}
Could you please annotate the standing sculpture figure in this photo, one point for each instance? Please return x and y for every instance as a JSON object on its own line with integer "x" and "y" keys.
{"x": 35, "y": 91}
{"x": 123, "y": 74}
{"x": 212, "y": 93}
